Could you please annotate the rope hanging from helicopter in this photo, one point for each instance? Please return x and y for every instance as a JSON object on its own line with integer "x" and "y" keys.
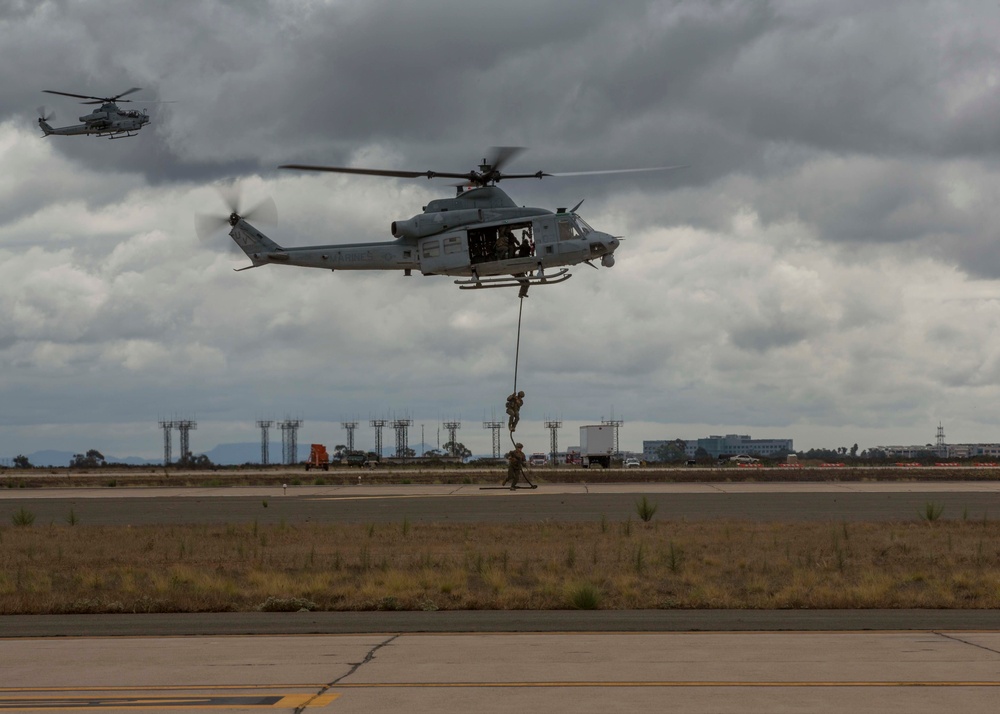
{"x": 517, "y": 347}
{"x": 516, "y": 399}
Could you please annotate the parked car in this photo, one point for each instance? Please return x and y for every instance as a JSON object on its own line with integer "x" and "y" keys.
{"x": 631, "y": 463}
{"x": 743, "y": 459}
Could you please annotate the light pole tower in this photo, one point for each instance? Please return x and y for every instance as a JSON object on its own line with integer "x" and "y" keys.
{"x": 496, "y": 426}
{"x": 378, "y": 425}
{"x": 402, "y": 427}
{"x": 350, "y": 426}
{"x": 553, "y": 426}
{"x": 184, "y": 426}
{"x": 167, "y": 425}
{"x": 265, "y": 440}
{"x": 452, "y": 427}
{"x": 290, "y": 440}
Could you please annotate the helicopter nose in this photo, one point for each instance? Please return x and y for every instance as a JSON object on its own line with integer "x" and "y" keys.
{"x": 608, "y": 242}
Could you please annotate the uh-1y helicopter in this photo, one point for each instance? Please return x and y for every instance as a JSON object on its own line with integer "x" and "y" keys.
{"x": 108, "y": 120}
{"x": 480, "y": 236}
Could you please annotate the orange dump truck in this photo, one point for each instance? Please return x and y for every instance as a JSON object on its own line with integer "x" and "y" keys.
{"x": 318, "y": 458}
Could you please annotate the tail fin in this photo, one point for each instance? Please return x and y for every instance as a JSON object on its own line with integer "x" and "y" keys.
{"x": 258, "y": 247}
{"x": 45, "y": 126}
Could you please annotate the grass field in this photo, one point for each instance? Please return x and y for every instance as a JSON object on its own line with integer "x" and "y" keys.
{"x": 72, "y": 567}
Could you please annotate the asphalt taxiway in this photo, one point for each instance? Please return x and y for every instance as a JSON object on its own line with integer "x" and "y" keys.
{"x": 788, "y": 501}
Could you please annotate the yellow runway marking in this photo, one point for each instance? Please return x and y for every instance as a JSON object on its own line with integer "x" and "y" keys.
{"x": 487, "y": 685}
{"x": 198, "y": 702}
{"x": 170, "y": 688}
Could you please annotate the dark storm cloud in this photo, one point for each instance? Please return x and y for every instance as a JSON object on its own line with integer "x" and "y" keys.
{"x": 839, "y": 192}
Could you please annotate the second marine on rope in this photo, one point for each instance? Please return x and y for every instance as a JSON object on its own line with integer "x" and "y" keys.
{"x": 514, "y": 403}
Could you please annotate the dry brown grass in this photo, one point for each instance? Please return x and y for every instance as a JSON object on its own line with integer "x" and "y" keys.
{"x": 63, "y": 568}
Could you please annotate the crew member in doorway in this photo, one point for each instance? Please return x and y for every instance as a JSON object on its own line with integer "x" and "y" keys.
{"x": 507, "y": 236}
{"x": 502, "y": 245}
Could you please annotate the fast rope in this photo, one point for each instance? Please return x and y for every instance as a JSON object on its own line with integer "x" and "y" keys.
{"x": 517, "y": 351}
{"x": 517, "y": 358}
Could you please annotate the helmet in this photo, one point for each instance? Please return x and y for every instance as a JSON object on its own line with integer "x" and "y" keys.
{"x": 519, "y": 445}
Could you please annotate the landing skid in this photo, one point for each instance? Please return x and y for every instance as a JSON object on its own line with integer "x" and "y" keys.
{"x": 510, "y": 281}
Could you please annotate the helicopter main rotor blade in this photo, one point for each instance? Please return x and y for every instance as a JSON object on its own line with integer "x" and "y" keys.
{"x": 377, "y": 172}
{"x": 502, "y": 155}
{"x": 490, "y": 170}
{"x": 97, "y": 100}
{"x": 609, "y": 171}
{"x": 126, "y": 92}
{"x": 70, "y": 94}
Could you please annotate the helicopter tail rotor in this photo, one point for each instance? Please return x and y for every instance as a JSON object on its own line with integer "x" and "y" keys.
{"x": 43, "y": 120}
{"x": 208, "y": 224}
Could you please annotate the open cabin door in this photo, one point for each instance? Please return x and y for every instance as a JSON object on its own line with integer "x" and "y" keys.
{"x": 502, "y": 242}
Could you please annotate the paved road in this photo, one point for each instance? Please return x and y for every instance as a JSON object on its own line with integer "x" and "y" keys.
{"x": 454, "y": 503}
{"x": 912, "y": 672}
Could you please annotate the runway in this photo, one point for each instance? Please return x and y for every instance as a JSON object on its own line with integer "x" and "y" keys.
{"x": 911, "y": 672}
{"x": 788, "y": 501}
{"x": 695, "y": 661}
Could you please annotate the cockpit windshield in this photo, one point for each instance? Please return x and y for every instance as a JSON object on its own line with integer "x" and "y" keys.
{"x": 583, "y": 225}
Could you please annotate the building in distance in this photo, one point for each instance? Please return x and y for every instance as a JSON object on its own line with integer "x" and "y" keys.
{"x": 717, "y": 446}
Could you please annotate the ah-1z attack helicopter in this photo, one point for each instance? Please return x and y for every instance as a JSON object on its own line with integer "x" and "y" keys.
{"x": 108, "y": 121}
{"x": 480, "y": 235}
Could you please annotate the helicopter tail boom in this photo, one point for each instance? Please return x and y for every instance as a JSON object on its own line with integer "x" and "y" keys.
{"x": 259, "y": 248}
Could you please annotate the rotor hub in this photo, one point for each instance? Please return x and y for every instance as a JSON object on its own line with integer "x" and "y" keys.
{"x": 234, "y": 218}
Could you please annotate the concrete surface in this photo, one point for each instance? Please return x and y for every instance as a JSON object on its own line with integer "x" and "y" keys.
{"x": 910, "y": 672}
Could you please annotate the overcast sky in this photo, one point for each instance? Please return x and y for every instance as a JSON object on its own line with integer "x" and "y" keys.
{"x": 826, "y": 269}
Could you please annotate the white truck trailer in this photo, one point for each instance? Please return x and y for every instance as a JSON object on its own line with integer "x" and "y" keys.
{"x": 597, "y": 443}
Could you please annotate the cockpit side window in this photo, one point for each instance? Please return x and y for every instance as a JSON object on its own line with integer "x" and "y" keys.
{"x": 568, "y": 230}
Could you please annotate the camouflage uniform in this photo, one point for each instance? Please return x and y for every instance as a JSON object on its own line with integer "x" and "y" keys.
{"x": 514, "y": 403}
{"x": 503, "y": 246}
{"x": 511, "y": 242}
{"x": 517, "y": 462}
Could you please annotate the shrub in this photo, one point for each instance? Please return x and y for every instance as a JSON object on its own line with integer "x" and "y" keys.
{"x": 646, "y": 509}
{"x": 585, "y": 597}
{"x": 23, "y": 517}
{"x": 932, "y": 511}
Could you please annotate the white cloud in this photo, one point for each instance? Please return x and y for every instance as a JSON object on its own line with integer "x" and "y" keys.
{"x": 824, "y": 268}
